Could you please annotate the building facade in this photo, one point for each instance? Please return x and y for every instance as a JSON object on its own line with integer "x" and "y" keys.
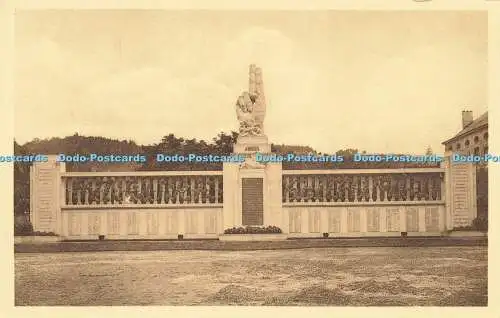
{"x": 473, "y": 138}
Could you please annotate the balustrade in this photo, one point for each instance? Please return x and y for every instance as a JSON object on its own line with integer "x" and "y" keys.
{"x": 113, "y": 190}
{"x": 208, "y": 189}
{"x": 331, "y": 188}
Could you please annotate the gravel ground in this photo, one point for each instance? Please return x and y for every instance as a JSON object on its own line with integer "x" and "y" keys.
{"x": 392, "y": 276}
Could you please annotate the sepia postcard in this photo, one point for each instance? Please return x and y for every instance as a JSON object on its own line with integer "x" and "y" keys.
{"x": 243, "y": 160}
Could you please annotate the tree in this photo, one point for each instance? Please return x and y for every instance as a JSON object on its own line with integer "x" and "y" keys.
{"x": 349, "y": 152}
{"x": 428, "y": 152}
{"x": 286, "y": 149}
{"x": 171, "y": 143}
{"x": 224, "y": 142}
{"x": 21, "y": 182}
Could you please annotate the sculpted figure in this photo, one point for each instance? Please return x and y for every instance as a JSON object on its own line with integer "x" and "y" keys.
{"x": 250, "y": 106}
{"x": 251, "y": 163}
{"x": 245, "y": 115}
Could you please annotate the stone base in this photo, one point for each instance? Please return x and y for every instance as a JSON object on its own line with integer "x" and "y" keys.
{"x": 141, "y": 237}
{"x": 253, "y": 237}
{"x": 36, "y": 239}
{"x": 252, "y": 144}
{"x": 468, "y": 234}
{"x": 356, "y": 235}
{"x": 233, "y": 179}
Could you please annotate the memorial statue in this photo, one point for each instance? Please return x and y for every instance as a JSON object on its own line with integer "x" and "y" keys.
{"x": 251, "y": 106}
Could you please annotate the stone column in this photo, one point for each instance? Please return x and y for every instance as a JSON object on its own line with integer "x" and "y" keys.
{"x": 273, "y": 189}
{"x": 402, "y": 219}
{"x": 324, "y": 226}
{"x": 461, "y": 192}
{"x": 230, "y": 178}
{"x": 285, "y": 221}
{"x": 446, "y": 192}
{"x": 181, "y": 222}
{"x": 304, "y": 220}
{"x": 343, "y": 220}
{"x": 383, "y": 219}
{"x": 363, "y": 222}
{"x": 442, "y": 218}
{"x": 421, "y": 219}
{"x": 47, "y": 195}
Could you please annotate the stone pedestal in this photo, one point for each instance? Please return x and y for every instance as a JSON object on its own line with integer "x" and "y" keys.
{"x": 252, "y": 190}
{"x": 252, "y": 144}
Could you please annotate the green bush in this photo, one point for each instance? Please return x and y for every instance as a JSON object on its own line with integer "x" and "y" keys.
{"x": 271, "y": 229}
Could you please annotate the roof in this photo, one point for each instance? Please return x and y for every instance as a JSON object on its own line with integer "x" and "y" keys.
{"x": 479, "y": 122}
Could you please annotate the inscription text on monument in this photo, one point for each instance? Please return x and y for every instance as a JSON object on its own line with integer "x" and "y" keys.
{"x": 252, "y": 201}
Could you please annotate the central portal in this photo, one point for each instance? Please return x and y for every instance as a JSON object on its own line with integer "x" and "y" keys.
{"x": 252, "y": 201}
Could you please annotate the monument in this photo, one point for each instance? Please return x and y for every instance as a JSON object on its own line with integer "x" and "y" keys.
{"x": 252, "y": 191}
{"x": 188, "y": 204}
{"x": 251, "y": 111}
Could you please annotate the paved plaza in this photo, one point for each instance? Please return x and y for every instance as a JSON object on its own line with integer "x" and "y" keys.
{"x": 384, "y": 276}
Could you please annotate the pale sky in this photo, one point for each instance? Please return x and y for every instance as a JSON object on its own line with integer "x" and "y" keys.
{"x": 376, "y": 81}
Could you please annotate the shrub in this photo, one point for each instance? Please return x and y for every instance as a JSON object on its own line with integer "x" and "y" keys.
{"x": 23, "y": 229}
{"x": 478, "y": 224}
{"x": 38, "y": 233}
{"x": 463, "y": 228}
{"x": 271, "y": 229}
{"x": 27, "y": 230}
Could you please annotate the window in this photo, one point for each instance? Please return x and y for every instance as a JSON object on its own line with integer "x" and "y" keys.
{"x": 467, "y": 142}
{"x": 458, "y": 146}
{"x": 476, "y": 151}
{"x": 485, "y": 136}
{"x": 486, "y": 150}
{"x": 476, "y": 139}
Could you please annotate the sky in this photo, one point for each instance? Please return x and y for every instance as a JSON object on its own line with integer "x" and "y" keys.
{"x": 381, "y": 81}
